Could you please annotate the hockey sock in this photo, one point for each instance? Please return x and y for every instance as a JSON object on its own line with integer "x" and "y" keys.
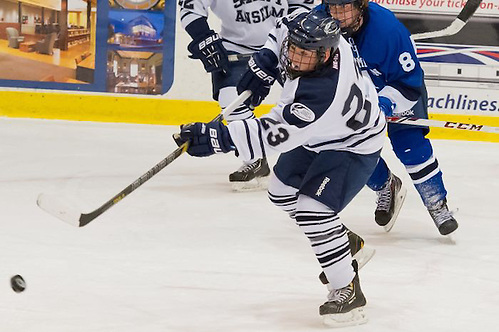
{"x": 380, "y": 176}
{"x": 328, "y": 238}
{"x": 283, "y": 196}
{"x": 416, "y": 153}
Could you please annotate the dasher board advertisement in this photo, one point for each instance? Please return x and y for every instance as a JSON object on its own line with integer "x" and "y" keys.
{"x": 451, "y": 7}
{"x": 117, "y": 46}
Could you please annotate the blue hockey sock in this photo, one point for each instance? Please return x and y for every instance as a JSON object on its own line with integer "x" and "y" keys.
{"x": 432, "y": 190}
{"x": 416, "y": 153}
{"x": 379, "y": 176}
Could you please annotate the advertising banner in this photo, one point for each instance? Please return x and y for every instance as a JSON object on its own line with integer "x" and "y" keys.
{"x": 121, "y": 48}
{"x": 117, "y": 46}
{"x": 450, "y": 7}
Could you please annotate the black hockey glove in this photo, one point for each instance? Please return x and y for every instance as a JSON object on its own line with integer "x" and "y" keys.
{"x": 205, "y": 138}
{"x": 259, "y": 77}
{"x": 209, "y": 49}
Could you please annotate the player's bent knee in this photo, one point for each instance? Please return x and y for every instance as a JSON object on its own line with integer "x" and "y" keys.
{"x": 411, "y": 146}
{"x": 306, "y": 203}
{"x": 282, "y": 195}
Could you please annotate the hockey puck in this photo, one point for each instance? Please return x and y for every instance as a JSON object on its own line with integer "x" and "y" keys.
{"x": 17, "y": 283}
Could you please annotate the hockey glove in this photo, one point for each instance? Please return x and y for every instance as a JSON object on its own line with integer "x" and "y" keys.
{"x": 386, "y": 105}
{"x": 209, "y": 49}
{"x": 205, "y": 138}
{"x": 259, "y": 77}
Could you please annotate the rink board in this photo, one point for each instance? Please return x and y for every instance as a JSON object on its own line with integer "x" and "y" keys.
{"x": 64, "y": 106}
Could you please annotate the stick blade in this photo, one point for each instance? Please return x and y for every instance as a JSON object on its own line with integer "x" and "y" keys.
{"x": 59, "y": 209}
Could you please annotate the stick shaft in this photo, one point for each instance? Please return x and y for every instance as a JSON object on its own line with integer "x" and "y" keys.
{"x": 68, "y": 214}
{"x": 86, "y": 218}
{"x": 442, "y": 124}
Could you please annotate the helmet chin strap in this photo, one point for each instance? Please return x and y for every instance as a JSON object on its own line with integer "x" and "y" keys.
{"x": 351, "y": 30}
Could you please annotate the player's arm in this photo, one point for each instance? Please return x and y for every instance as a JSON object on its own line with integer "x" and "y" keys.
{"x": 261, "y": 74}
{"x": 263, "y": 67}
{"x": 206, "y": 44}
{"x": 191, "y": 10}
{"x": 288, "y": 125}
{"x": 254, "y": 138}
{"x": 285, "y": 127}
{"x": 403, "y": 74}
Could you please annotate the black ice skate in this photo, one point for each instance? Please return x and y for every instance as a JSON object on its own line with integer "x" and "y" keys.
{"x": 251, "y": 177}
{"x": 345, "y": 306}
{"x": 389, "y": 202}
{"x": 443, "y": 218}
{"x": 359, "y": 251}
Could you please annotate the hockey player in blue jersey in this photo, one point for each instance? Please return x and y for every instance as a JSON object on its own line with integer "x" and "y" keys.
{"x": 383, "y": 47}
{"x": 329, "y": 131}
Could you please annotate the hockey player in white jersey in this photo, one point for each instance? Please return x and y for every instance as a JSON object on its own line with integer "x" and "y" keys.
{"x": 245, "y": 26}
{"x": 329, "y": 132}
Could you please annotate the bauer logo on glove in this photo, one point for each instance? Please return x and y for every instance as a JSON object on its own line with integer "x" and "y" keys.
{"x": 259, "y": 72}
{"x": 208, "y": 41}
{"x": 205, "y": 139}
{"x": 210, "y": 50}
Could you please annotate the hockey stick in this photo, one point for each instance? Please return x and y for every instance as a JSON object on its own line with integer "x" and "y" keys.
{"x": 442, "y": 124}
{"x": 456, "y": 25}
{"x": 238, "y": 57}
{"x": 68, "y": 214}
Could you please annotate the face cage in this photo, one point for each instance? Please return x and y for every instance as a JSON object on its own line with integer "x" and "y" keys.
{"x": 287, "y": 64}
{"x": 347, "y": 14}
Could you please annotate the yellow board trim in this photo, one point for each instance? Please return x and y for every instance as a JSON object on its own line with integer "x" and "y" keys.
{"x": 464, "y": 135}
{"x": 100, "y": 108}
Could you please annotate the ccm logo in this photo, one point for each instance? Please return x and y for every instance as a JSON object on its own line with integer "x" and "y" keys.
{"x": 208, "y": 41}
{"x": 214, "y": 141}
{"x": 464, "y": 126}
{"x": 260, "y": 73}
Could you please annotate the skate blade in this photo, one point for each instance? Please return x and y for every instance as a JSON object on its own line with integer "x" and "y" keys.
{"x": 354, "y": 317}
{"x": 363, "y": 256}
{"x": 398, "y": 205}
{"x": 448, "y": 239}
{"x": 257, "y": 184}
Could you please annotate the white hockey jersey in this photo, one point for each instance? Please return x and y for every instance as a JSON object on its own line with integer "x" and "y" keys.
{"x": 335, "y": 111}
{"x": 245, "y": 23}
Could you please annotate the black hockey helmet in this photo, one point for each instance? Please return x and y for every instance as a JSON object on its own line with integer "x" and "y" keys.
{"x": 312, "y": 31}
{"x": 350, "y": 21}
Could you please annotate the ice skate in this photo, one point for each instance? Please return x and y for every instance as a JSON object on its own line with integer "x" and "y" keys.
{"x": 360, "y": 252}
{"x": 345, "y": 306}
{"x": 253, "y": 176}
{"x": 389, "y": 202}
{"x": 443, "y": 218}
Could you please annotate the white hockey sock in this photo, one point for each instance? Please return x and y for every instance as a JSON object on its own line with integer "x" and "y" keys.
{"x": 328, "y": 238}
{"x": 283, "y": 196}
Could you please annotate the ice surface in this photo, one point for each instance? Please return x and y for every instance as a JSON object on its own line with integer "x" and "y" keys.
{"x": 184, "y": 253}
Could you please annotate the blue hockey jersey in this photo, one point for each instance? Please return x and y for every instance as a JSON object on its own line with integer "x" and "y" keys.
{"x": 384, "y": 47}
